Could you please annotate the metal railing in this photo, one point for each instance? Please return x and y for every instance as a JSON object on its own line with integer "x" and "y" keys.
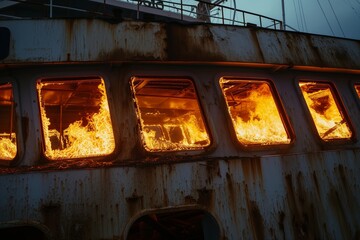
{"x": 184, "y": 10}
{"x": 203, "y": 11}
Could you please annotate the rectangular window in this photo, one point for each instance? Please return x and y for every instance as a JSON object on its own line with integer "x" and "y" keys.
{"x": 75, "y": 118}
{"x": 357, "y": 88}
{"x": 254, "y": 112}
{"x": 169, "y": 114}
{"x": 8, "y": 147}
{"x": 325, "y": 109}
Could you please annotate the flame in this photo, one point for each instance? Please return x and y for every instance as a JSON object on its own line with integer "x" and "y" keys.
{"x": 186, "y": 132}
{"x": 169, "y": 114}
{"x": 327, "y": 117}
{"x": 8, "y": 147}
{"x": 95, "y": 138}
{"x": 255, "y": 116}
{"x": 357, "y": 88}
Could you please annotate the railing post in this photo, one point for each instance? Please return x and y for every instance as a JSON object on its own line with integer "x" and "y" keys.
{"x": 181, "y": 7}
{"x": 51, "y": 10}
{"x": 222, "y": 14}
{"x": 138, "y": 10}
{"x": 283, "y": 14}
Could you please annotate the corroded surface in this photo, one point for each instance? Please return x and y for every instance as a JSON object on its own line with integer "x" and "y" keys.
{"x": 50, "y": 41}
{"x": 305, "y": 190}
{"x": 305, "y": 196}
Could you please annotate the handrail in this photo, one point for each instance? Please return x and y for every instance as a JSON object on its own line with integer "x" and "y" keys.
{"x": 240, "y": 17}
{"x": 195, "y": 11}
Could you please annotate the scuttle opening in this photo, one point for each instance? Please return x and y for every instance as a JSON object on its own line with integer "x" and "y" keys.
{"x": 22, "y": 232}
{"x": 188, "y": 224}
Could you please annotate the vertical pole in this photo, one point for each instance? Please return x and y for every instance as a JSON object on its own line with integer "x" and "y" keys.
{"x": 62, "y": 140}
{"x": 222, "y": 14}
{"x": 283, "y": 14}
{"x": 181, "y": 6}
{"x": 51, "y": 10}
{"x": 138, "y": 10}
{"x": 234, "y": 12}
{"x": 12, "y": 115}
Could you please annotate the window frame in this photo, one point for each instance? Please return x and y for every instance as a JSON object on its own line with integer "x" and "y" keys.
{"x": 83, "y": 77}
{"x": 17, "y": 128}
{"x": 280, "y": 107}
{"x": 189, "y": 151}
{"x": 340, "y": 105}
{"x": 357, "y": 94}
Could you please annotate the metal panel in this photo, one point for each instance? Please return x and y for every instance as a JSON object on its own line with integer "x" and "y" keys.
{"x": 303, "y": 196}
{"x": 50, "y": 41}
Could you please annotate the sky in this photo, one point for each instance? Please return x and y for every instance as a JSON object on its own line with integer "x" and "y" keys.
{"x": 339, "y": 18}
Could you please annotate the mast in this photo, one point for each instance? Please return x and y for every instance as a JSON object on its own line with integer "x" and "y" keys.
{"x": 283, "y": 14}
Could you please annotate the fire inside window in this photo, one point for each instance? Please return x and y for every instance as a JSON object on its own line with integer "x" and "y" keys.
{"x": 357, "y": 88}
{"x": 75, "y": 118}
{"x": 169, "y": 114}
{"x": 254, "y": 112}
{"x": 325, "y": 110}
{"x": 8, "y": 147}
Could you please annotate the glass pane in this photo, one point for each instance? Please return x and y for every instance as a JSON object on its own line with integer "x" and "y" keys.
{"x": 325, "y": 111}
{"x": 75, "y": 118}
{"x": 357, "y": 88}
{"x": 169, "y": 114}
{"x": 8, "y": 147}
{"x": 254, "y": 112}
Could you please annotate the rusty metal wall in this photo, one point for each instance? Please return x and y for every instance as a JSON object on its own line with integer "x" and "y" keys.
{"x": 303, "y": 196}
{"x": 305, "y": 191}
{"x": 50, "y": 41}
{"x": 308, "y": 190}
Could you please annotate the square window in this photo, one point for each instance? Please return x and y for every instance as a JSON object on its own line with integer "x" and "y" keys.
{"x": 170, "y": 114}
{"x": 326, "y": 111}
{"x": 254, "y": 112}
{"x": 8, "y": 148}
{"x": 75, "y": 118}
{"x": 357, "y": 88}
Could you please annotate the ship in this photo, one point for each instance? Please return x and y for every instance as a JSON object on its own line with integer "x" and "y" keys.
{"x": 161, "y": 120}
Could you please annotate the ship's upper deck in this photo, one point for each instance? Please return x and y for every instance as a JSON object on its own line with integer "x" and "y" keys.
{"x": 35, "y": 41}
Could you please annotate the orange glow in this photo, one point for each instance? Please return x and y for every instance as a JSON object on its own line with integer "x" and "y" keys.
{"x": 75, "y": 118}
{"x": 169, "y": 114}
{"x": 327, "y": 116}
{"x": 357, "y": 88}
{"x": 8, "y": 148}
{"x": 254, "y": 113}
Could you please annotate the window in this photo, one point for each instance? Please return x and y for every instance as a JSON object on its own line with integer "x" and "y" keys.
{"x": 326, "y": 111}
{"x": 169, "y": 114}
{"x": 357, "y": 88}
{"x": 254, "y": 112}
{"x": 8, "y": 147}
{"x": 75, "y": 118}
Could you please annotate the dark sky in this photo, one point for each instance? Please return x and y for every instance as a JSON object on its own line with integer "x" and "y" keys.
{"x": 339, "y": 18}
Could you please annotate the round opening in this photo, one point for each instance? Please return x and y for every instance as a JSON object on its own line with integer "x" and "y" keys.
{"x": 186, "y": 224}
